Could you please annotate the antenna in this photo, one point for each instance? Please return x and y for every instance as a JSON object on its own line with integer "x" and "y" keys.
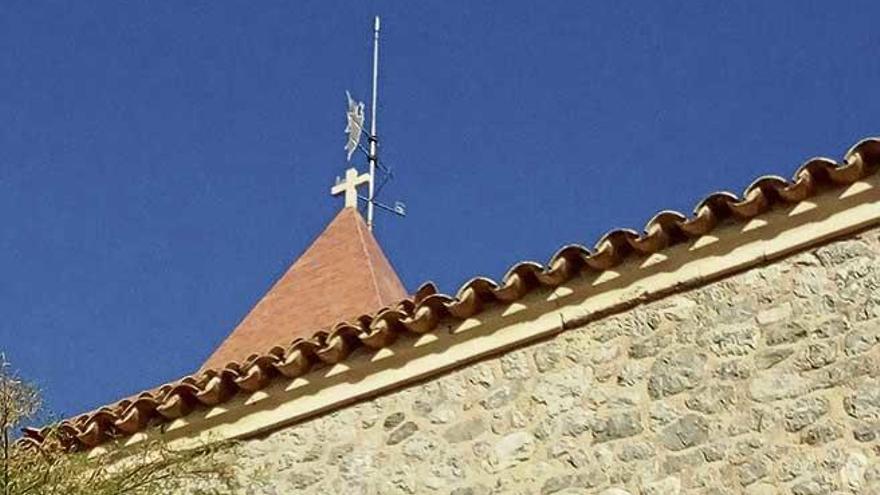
{"x": 354, "y": 129}
{"x": 374, "y": 140}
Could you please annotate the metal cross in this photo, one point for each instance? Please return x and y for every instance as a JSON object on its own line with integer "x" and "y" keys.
{"x": 349, "y": 186}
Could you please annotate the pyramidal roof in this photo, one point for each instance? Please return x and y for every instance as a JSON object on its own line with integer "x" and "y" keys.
{"x": 342, "y": 275}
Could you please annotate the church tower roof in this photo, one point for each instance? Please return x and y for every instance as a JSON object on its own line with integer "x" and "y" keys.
{"x": 342, "y": 275}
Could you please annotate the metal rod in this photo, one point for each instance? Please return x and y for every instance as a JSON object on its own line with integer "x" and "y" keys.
{"x": 385, "y": 207}
{"x": 374, "y": 144}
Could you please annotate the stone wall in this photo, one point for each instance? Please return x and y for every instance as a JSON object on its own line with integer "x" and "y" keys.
{"x": 765, "y": 382}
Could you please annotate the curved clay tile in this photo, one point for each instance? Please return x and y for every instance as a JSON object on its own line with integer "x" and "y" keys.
{"x": 295, "y": 364}
{"x": 423, "y": 312}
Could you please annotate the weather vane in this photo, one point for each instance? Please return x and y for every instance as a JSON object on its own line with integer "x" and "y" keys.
{"x": 354, "y": 128}
{"x": 355, "y": 125}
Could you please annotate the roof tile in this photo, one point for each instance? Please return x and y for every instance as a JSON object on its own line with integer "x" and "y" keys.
{"x": 427, "y": 308}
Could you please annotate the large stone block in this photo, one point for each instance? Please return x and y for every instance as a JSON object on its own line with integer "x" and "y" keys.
{"x": 689, "y": 431}
{"x": 805, "y": 412}
{"x": 616, "y": 425}
{"x": 864, "y": 403}
{"x": 676, "y": 371}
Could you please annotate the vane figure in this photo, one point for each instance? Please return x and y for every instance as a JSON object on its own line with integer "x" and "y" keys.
{"x": 355, "y": 124}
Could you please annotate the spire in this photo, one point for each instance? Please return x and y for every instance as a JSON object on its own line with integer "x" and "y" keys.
{"x": 342, "y": 275}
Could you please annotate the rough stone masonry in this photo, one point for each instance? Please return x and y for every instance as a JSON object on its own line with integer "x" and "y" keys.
{"x": 764, "y": 382}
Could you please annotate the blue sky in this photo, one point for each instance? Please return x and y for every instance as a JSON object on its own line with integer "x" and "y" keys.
{"x": 161, "y": 163}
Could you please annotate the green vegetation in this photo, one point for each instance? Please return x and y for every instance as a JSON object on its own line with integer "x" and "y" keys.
{"x": 46, "y": 468}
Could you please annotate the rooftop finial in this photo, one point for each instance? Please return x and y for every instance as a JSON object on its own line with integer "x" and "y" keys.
{"x": 349, "y": 186}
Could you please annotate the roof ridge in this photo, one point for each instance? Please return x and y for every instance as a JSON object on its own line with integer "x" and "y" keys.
{"x": 363, "y": 242}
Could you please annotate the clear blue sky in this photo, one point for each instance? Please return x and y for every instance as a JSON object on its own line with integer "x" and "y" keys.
{"x": 161, "y": 163}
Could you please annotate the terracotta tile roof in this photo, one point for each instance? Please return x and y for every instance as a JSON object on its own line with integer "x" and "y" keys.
{"x": 342, "y": 275}
{"x": 427, "y": 308}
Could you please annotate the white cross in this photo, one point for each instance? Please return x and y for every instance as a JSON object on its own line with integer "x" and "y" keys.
{"x": 349, "y": 186}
